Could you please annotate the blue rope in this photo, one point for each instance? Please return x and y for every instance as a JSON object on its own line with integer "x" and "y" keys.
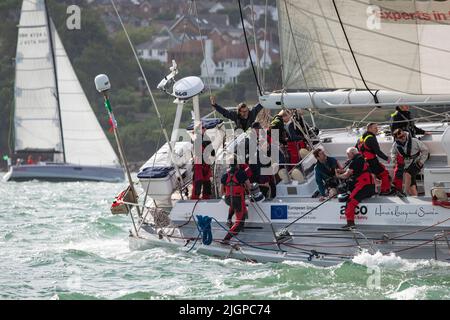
{"x": 204, "y": 228}
{"x": 195, "y": 242}
{"x": 204, "y": 231}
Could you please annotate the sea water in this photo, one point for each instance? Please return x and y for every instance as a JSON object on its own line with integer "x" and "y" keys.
{"x": 59, "y": 241}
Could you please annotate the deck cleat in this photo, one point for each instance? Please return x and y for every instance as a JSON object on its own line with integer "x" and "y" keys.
{"x": 283, "y": 235}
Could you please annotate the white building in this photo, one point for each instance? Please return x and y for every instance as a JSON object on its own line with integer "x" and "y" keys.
{"x": 259, "y": 10}
{"x": 224, "y": 66}
{"x": 156, "y": 49}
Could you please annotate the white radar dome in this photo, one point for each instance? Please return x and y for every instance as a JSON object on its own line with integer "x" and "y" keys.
{"x": 102, "y": 83}
{"x": 188, "y": 87}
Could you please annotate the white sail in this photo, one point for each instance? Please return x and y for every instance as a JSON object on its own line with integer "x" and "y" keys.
{"x": 84, "y": 140}
{"x": 36, "y": 118}
{"x": 398, "y": 45}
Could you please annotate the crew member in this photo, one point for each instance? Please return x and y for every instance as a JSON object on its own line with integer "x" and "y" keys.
{"x": 260, "y": 161}
{"x": 201, "y": 182}
{"x": 243, "y": 117}
{"x": 30, "y": 159}
{"x": 325, "y": 172}
{"x": 369, "y": 148}
{"x": 359, "y": 181}
{"x": 290, "y": 137}
{"x": 401, "y": 119}
{"x": 234, "y": 184}
{"x": 414, "y": 152}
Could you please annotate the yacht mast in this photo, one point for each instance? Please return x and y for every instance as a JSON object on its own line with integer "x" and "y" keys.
{"x": 52, "y": 51}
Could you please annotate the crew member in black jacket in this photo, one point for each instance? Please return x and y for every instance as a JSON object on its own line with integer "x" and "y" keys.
{"x": 243, "y": 117}
{"x": 370, "y": 149}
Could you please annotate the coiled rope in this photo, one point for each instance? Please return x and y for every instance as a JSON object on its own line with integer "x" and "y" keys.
{"x": 204, "y": 227}
{"x": 203, "y": 224}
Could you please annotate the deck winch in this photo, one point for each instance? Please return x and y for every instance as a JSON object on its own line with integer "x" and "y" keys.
{"x": 256, "y": 194}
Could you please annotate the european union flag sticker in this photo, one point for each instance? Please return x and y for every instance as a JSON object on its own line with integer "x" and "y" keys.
{"x": 278, "y": 212}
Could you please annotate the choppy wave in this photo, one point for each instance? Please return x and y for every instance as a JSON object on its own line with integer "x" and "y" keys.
{"x": 59, "y": 241}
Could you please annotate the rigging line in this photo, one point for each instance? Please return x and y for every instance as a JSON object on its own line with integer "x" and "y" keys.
{"x": 374, "y": 95}
{"x": 299, "y": 127}
{"x": 242, "y": 241}
{"x": 419, "y": 230}
{"x": 380, "y": 123}
{"x": 203, "y": 47}
{"x": 256, "y": 207}
{"x": 366, "y": 116}
{"x": 159, "y": 141}
{"x": 248, "y": 49}
{"x": 335, "y": 43}
{"x": 297, "y": 53}
{"x": 336, "y": 245}
{"x": 296, "y": 124}
{"x": 258, "y": 69}
{"x": 11, "y": 131}
{"x": 411, "y": 78}
{"x": 305, "y": 214}
{"x": 300, "y": 250}
{"x": 166, "y": 136}
{"x": 263, "y": 80}
{"x": 320, "y": 76}
{"x": 154, "y": 160}
{"x": 425, "y": 110}
{"x": 184, "y": 36}
{"x": 50, "y": 28}
{"x": 157, "y": 149}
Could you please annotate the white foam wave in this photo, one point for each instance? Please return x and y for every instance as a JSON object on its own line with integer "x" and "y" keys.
{"x": 105, "y": 248}
{"x": 412, "y": 293}
{"x": 392, "y": 261}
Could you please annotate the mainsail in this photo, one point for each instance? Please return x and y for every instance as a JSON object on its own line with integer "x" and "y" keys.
{"x": 36, "y": 116}
{"x": 50, "y": 105}
{"x": 399, "y": 45}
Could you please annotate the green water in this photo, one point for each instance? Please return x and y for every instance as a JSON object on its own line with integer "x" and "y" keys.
{"x": 59, "y": 241}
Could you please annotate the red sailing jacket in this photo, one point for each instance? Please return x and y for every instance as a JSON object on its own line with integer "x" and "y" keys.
{"x": 233, "y": 187}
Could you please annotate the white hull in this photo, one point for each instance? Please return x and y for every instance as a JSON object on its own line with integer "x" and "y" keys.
{"x": 410, "y": 228}
{"x": 64, "y": 172}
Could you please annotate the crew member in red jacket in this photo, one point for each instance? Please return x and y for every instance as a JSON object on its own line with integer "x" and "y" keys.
{"x": 234, "y": 185}
{"x": 202, "y": 172}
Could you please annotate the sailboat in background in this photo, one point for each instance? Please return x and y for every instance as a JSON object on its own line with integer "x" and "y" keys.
{"x": 54, "y": 125}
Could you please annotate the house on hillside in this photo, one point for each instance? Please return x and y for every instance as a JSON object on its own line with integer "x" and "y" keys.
{"x": 157, "y": 48}
{"x": 216, "y": 7}
{"x": 260, "y": 10}
{"x": 190, "y": 25}
{"x": 224, "y": 65}
{"x": 151, "y": 9}
{"x": 186, "y": 50}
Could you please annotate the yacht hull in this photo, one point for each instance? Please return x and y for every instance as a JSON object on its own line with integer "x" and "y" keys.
{"x": 316, "y": 239}
{"x": 64, "y": 172}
